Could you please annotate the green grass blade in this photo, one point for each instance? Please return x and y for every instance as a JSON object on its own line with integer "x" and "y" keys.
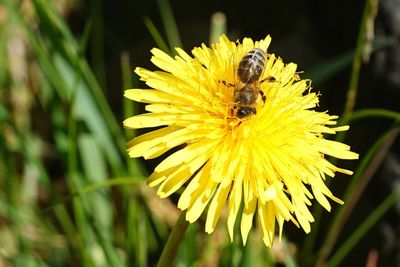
{"x": 68, "y": 47}
{"x": 97, "y": 43}
{"x": 101, "y": 122}
{"x": 218, "y": 26}
{"x": 354, "y": 190}
{"x": 93, "y": 163}
{"x": 156, "y": 35}
{"x": 111, "y": 182}
{"x": 66, "y": 223}
{"x": 351, "y": 96}
{"x": 357, "y": 61}
{"x": 121, "y": 181}
{"x": 326, "y": 70}
{"x": 87, "y": 110}
{"x": 108, "y": 248}
{"x": 374, "y": 113}
{"x": 136, "y": 229}
{"x": 73, "y": 184}
{"x": 323, "y": 72}
{"x": 84, "y": 40}
{"x": 363, "y": 229}
{"x": 38, "y": 47}
{"x": 95, "y": 170}
{"x": 170, "y": 27}
{"x": 130, "y": 108}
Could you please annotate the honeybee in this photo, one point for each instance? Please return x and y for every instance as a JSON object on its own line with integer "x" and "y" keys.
{"x": 246, "y": 91}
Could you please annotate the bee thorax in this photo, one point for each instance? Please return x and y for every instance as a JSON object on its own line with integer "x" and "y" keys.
{"x": 246, "y": 95}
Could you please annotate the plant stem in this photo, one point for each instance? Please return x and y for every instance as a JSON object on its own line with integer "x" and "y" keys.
{"x": 357, "y": 61}
{"x": 175, "y": 238}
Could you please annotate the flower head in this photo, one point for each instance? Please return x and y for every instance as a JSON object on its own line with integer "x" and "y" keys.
{"x": 272, "y": 161}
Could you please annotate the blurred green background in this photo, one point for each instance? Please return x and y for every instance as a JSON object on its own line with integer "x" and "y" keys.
{"x": 69, "y": 196}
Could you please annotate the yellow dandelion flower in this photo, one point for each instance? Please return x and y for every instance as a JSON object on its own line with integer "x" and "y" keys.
{"x": 273, "y": 161}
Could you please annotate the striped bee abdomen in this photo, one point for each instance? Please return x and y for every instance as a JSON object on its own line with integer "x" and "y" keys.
{"x": 251, "y": 67}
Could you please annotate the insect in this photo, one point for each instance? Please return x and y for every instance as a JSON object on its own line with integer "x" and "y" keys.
{"x": 245, "y": 95}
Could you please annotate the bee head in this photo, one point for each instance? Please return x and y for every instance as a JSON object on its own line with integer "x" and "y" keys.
{"x": 243, "y": 112}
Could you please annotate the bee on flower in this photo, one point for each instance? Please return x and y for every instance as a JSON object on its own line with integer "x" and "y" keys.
{"x": 250, "y": 135}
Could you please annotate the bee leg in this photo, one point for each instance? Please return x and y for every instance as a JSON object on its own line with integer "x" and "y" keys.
{"x": 232, "y": 110}
{"x": 263, "y": 97}
{"x": 226, "y": 83}
{"x": 268, "y": 79}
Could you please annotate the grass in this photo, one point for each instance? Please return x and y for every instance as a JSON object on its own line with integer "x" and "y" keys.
{"x": 70, "y": 197}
